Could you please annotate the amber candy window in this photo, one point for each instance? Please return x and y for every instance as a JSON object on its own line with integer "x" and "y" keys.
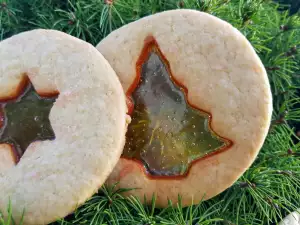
{"x": 167, "y": 134}
{"x": 25, "y": 119}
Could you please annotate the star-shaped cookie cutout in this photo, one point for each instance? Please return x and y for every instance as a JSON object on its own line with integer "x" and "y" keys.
{"x": 25, "y": 119}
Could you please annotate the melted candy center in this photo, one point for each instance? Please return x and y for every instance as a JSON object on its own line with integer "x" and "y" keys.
{"x": 25, "y": 120}
{"x": 166, "y": 134}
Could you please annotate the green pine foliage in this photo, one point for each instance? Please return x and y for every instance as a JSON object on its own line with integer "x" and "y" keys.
{"x": 293, "y": 5}
{"x": 270, "y": 189}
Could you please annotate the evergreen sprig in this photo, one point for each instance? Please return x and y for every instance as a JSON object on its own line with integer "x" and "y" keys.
{"x": 270, "y": 188}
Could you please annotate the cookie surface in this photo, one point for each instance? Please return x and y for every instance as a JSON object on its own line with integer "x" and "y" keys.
{"x": 291, "y": 219}
{"x": 223, "y": 76}
{"x": 54, "y": 177}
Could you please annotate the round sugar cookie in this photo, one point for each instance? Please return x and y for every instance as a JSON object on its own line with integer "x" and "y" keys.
{"x": 201, "y": 105}
{"x": 291, "y": 219}
{"x": 55, "y": 176}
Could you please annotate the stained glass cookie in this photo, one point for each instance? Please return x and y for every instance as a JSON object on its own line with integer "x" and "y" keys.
{"x": 199, "y": 101}
{"x": 60, "y": 136}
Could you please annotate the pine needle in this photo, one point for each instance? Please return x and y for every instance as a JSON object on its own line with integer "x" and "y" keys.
{"x": 270, "y": 188}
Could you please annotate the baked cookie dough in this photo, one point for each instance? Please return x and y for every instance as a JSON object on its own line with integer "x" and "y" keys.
{"x": 218, "y": 73}
{"x": 53, "y": 177}
{"x": 291, "y": 219}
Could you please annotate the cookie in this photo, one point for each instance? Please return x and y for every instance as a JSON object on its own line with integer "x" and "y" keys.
{"x": 201, "y": 102}
{"x": 291, "y": 219}
{"x": 61, "y": 170}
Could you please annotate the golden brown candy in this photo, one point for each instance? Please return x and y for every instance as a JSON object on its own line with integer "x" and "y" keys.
{"x": 25, "y": 120}
{"x": 166, "y": 133}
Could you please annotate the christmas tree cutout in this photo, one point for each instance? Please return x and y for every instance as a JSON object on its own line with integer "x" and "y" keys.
{"x": 166, "y": 134}
{"x": 25, "y": 119}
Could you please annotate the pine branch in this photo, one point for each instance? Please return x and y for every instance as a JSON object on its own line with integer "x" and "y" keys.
{"x": 9, "y": 220}
{"x": 270, "y": 188}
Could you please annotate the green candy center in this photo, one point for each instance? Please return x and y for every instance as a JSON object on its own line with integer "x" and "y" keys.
{"x": 25, "y": 120}
{"x": 166, "y": 134}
